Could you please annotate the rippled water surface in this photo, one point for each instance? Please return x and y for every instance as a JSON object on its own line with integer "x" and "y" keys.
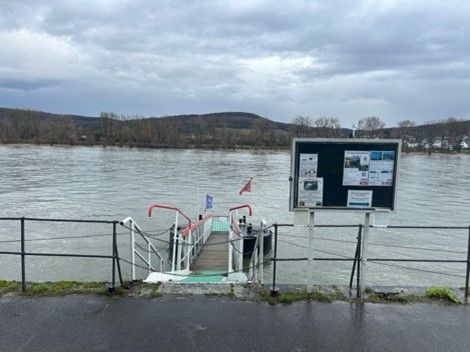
{"x": 113, "y": 183}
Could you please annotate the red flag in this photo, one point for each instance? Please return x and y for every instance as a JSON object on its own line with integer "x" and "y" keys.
{"x": 246, "y": 187}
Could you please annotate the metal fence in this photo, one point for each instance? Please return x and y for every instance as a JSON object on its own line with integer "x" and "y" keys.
{"x": 359, "y": 260}
{"x": 114, "y": 257}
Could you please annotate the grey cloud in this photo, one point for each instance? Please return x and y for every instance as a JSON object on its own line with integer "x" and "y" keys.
{"x": 279, "y": 59}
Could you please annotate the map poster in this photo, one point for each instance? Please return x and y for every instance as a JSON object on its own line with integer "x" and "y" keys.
{"x": 359, "y": 199}
{"x": 310, "y": 192}
{"x": 308, "y": 165}
{"x": 381, "y": 168}
{"x": 356, "y": 168}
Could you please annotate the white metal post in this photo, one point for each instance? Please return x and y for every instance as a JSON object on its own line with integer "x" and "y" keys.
{"x": 133, "y": 249}
{"x": 230, "y": 250}
{"x": 175, "y": 234}
{"x": 311, "y": 228}
{"x": 189, "y": 250}
{"x": 261, "y": 254}
{"x": 365, "y": 242}
{"x": 180, "y": 250}
{"x": 240, "y": 254}
{"x": 149, "y": 256}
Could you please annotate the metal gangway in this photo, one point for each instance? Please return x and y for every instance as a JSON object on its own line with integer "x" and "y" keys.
{"x": 208, "y": 250}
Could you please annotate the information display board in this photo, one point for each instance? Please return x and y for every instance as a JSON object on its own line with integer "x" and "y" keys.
{"x": 349, "y": 174}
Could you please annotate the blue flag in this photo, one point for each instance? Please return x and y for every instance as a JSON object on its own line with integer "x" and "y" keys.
{"x": 209, "y": 201}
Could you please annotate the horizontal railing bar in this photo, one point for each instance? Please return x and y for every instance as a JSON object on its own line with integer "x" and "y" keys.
{"x": 386, "y": 227}
{"x": 417, "y": 260}
{"x": 64, "y": 220}
{"x": 60, "y": 255}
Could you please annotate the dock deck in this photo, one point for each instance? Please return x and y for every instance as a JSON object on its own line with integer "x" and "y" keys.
{"x": 214, "y": 255}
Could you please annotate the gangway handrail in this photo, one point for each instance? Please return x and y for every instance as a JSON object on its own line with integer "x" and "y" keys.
{"x": 169, "y": 207}
{"x": 175, "y": 264}
{"x": 150, "y": 247}
{"x": 233, "y": 243}
{"x": 193, "y": 242}
{"x": 250, "y": 209}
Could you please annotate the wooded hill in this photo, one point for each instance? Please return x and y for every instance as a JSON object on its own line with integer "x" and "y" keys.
{"x": 215, "y": 130}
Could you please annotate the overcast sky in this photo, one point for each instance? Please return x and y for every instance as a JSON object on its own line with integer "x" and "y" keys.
{"x": 349, "y": 59}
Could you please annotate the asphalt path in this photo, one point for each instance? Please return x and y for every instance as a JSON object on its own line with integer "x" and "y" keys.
{"x": 92, "y": 323}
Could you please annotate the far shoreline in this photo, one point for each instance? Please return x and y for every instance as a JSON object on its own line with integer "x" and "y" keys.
{"x": 205, "y": 148}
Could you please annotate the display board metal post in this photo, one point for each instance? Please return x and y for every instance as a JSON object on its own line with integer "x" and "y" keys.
{"x": 364, "y": 255}
{"x": 311, "y": 232}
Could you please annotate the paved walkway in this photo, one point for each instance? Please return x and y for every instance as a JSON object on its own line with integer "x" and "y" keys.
{"x": 198, "y": 323}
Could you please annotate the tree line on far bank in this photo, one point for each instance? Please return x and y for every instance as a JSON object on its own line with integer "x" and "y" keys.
{"x": 218, "y": 130}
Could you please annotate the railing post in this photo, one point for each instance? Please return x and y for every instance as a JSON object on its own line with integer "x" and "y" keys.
{"x": 118, "y": 263}
{"x": 356, "y": 256}
{"x": 180, "y": 250}
{"x": 240, "y": 254}
{"x": 365, "y": 242}
{"x": 230, "y": 251}
{"x": 133, "y": 249}
{"x": 23, "y": 267}
{"x": 468, "y": 268}
{"x": 189, "y": 251}
{"x": 274, "y": 290}
{"x": 113, "y": 283}
{"x": 149, "y": 257}
{"x": 261, "y": 255}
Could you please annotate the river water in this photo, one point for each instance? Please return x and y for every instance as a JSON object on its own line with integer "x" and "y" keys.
{"x": 113, "y": 183}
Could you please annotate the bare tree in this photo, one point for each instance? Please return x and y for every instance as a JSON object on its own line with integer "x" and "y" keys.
{"x": 327, "y": 126}
{"x": 369, "y": 126}
{"x": 302, "y": 126}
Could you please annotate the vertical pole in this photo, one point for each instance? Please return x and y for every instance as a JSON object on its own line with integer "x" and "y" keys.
{"x": 23, "y": 268}
{"x": 365, "y": 242}
{"x": 118, "y": 263}
{"x": 133, "y": 249}
{"x": 358, "y": 288}
{"x": 240, "y": 254}
{"x": 468, "y": 268}
{"x": 261, "y": 255}
{"x": 274, "y": 290}
{"x": 175, "y": 233}
{"x": 114, "y": 257}
{"x": 230, "y": 249}
{"x": 356, "y": 256}
{"x": 190, "y": 250}
{"x": 311, "y": 229}
{"x": 149, "y": 256}
{"x": 180, "y": 250}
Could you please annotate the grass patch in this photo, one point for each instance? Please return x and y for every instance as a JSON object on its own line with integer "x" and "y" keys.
{"x": 60, "y": 288}
{"x": 9, "y": 286}
{"x": 443, "y": 294}
{"x": 294, "y": 296}
{"x": 392, "y": 297}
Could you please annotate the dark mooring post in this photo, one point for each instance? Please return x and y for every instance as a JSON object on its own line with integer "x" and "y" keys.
{"x": 356, "y": 255}
{"x": 359, "y": 259}
{"x": 116, "y": 252}
{"x": 468, "y": 267}
{"x": 23, "y": 269}
{"x": 113, "y": 284}
{"x": 274, "y": 289}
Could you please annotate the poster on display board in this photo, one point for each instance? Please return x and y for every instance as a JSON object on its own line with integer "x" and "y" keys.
{"x": 344, "y": 174}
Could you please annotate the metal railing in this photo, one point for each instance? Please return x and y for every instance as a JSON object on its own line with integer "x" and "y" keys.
{"x": 114, "y": 257}
{"x": 130, "y": 224}
{"x": 235, "y": 240}
{"x": 359, "y": 260}
{"x": 191, "y": 240}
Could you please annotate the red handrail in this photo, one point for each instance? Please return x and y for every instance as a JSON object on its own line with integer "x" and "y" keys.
{"x": 250, "y": 210}
{"x": 192, "y": 226}
{"x": 164, "y": 206}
